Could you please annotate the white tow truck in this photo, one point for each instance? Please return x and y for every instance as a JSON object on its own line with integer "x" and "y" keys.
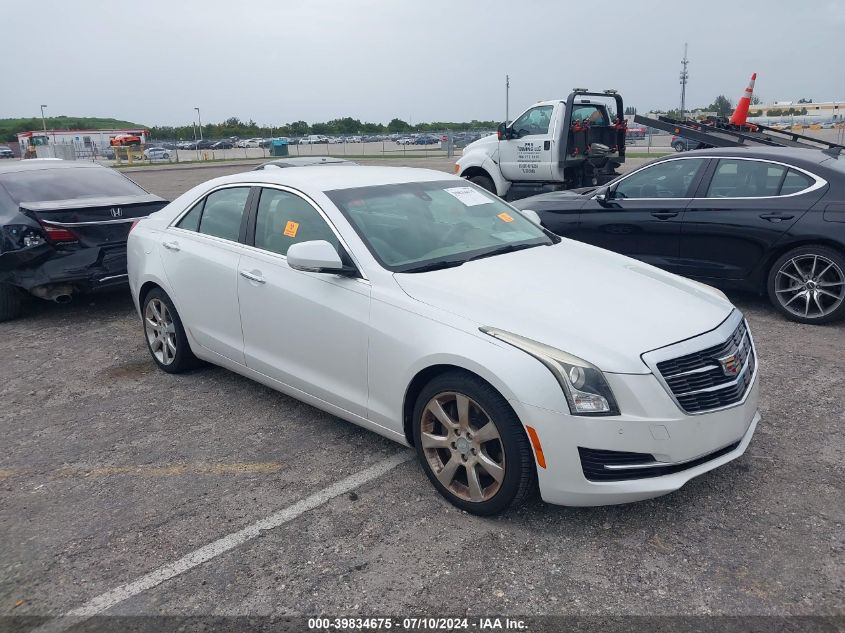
{"x": 553, "y": 145}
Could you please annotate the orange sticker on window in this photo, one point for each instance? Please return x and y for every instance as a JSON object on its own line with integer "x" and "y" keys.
{"x": 504, "y": 217}
{"x": 291, "y": 228}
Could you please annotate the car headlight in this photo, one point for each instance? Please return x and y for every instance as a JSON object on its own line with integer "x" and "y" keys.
{"x": 583, "y": 384}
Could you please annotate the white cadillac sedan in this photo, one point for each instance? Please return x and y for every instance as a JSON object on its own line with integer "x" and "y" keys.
{"x": 423, "y": 308}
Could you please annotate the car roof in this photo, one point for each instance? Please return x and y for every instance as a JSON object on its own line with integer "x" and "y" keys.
{"x": 305, "y": 161}
{"x": 36, "y": 164}
{"x": 797, "y": 155}
{"x": 331, "y": 178}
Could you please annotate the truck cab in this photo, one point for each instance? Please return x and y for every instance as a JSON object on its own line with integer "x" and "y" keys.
{"x": 552, "y": 145}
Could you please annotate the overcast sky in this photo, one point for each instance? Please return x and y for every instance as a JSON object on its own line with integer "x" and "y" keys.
{"x": 276, "y": 61}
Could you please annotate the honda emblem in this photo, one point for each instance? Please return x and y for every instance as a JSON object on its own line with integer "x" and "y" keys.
{"x": 116, "y": 212}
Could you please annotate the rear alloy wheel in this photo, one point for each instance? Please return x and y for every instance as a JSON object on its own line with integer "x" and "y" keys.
{"x": 165, "y": 334}
{"x": 678, "y": 146}
{"x": 807, "y": 285}
{"x": 471, "y": 445}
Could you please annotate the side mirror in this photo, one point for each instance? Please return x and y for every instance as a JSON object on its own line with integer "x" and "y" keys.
{"x": 317, "y": 256}
{"x": 504, "y": 132}
{"x": 603, "y": 196}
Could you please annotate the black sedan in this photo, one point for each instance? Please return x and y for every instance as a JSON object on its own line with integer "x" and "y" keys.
{"x": 63, "y": 229}
{"x": 768, "y": 220}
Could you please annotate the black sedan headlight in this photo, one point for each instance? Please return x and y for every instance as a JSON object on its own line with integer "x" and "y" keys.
{"x": 583, "y": 384}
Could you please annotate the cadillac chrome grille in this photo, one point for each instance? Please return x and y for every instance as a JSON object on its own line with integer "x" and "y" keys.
{"x": 712, "y": 378}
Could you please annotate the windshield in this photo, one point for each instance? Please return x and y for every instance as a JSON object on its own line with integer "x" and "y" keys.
{"x": 412, "y": 225}
{"x": 44, "y": 185}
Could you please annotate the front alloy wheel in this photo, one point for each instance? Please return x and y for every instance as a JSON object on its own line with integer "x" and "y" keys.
{"x": 808, "y": 285}
{"x": 471, "y": 445}
{"x": 463, "y": 447}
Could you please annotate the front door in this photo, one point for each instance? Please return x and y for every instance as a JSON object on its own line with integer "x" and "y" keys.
{"x": 528, "y": 156}
{"x": 641, "y": 216}
{"x": 307, "y": 330}
{"x": 200, "y": 254}
{"x": 744, "y": 209}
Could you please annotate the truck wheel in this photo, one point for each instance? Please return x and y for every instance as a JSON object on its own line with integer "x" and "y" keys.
{"x": 10, "y": 302}
{"x": 678, "y": 146}
{"x": 484, "y": 182}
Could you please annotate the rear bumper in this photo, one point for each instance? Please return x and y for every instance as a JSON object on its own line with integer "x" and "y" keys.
{"x": 85, "y": 269}
{"x": 686, "y": 445}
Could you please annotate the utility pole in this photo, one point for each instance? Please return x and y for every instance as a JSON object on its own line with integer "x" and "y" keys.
{"x": 199, "y": 118}
{"x": 684, "y": 79}
{"x": 44, "y": 122}
{"x": 507, "y": 98}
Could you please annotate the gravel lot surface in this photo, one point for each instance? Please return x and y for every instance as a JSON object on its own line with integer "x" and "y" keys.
{"x": 111, "y": 469}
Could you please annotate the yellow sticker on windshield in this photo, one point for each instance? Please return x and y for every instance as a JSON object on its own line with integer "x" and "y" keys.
{"x": 291, "y": 228}
{"x": 504, "y": 217}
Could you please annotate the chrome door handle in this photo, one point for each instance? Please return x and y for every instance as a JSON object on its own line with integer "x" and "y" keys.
{"x": 252, "y": 277}
{"x": 171, "y": 246}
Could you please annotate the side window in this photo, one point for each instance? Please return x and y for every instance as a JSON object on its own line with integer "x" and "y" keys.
{"x": 669, "y": 179}
{"x": 794, "y": 182}
{"x": 191, "y": 220}
{"x": 745, "y": 179}
{"x": 534, "y": 121}
{"x": 284, "y": 219}
{"x": 223, "y": 212}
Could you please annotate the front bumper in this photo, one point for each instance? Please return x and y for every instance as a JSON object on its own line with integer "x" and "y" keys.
{"x": 85, "y": 269}
{"x": 652, "y": 424}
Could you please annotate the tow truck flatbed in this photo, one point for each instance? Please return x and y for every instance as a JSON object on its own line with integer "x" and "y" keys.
{"x": 722, "y": 134}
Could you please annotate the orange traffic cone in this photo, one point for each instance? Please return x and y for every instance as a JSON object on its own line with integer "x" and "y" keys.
{"x": 740, "y": 113}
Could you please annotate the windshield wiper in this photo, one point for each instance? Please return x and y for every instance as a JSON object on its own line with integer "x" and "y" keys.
{"x": 438, "y": 265}
{"x": 507, "y": 248}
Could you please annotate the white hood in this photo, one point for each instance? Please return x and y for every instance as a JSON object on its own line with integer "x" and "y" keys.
{"x": 600, "y": 306}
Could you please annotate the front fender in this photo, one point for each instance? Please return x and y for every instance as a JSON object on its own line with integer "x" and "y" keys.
{"x": 480, "y": 159}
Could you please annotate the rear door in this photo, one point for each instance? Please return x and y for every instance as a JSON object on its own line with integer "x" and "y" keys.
{"x": 200, "y": 253}
{"x": 642, "y": 215}
{"x": 528, "y": 156}
{"x": 742, "y": 208}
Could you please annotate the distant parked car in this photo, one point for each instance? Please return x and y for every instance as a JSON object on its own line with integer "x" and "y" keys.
{"x": 6, "y": 152}
{"x": 156, "y": 153}
{"x": 313, "y": 139}
{"x": 426, "y": 139}
{"x": 405, "y": 140}
{"x": 105, "y": 152}
{"x": 125, "y": 139}
{"x": 681, "y": 144}
{"x": 635, "y": 131}
{"x": 223, "y": 145}
{"x": 204, "y": 144}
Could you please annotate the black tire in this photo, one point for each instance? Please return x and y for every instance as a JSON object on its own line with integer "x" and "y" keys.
{"x": 485, "y": 182}
{"x": 678, "y": 146}
{"x": 11, "y": 302}
{"x": 519, "y": 479}
{"x": 836, "y": 274}
{"x": 184, "y": 359}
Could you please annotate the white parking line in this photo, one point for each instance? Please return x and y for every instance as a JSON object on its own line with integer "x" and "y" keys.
{"x": 222, "y": 545}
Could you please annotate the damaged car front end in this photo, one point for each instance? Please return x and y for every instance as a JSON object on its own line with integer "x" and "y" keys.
{"x": 63, "y": 230}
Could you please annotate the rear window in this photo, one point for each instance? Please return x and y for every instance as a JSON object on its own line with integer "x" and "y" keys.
{"x": 64, "y": 184}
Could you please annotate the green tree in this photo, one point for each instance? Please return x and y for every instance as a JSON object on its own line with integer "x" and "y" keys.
{"x": 298, "y": 128}
{"x": 722, "y": 106}
{"x": 629, "y": 110}
{"x": 398, "y": 125}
